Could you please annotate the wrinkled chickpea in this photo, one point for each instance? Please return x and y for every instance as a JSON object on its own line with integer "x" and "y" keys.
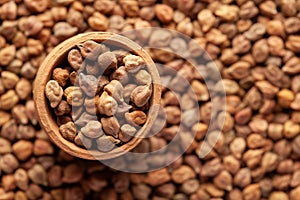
{"x": 107, "y": 105}
{"x": 75, "y": 59}
{"x": 115, "y": 89}
{"x": 74, "y": 96}
{"x": 84, "y": 118}
{"x": 37, "y": 174}
{"x": 90, "y": 49}
{"x": 63, "y": 30}
{"x": 33, "y": 26}
{"x": 127, "y": 132}
{"x": 22, "y": 149}
{"x": 136, "y": 118}
{"x": 8, "y": 163}
{"x": 62, "y": 108}
{"x": 120, "y": 75}
{"x": 23, "y": 88}
{"x": 83, "y": 141}
{"x": 106, "y": 143}
{"x": 206, "y": 19}
{"x": 53, "y": 92}
{"x": 164, "y": 13}
{"x": 133, "y": 63}
{"x": 88, "y": 84}
{"x": 140, "y": 95}
{"x": 34, "y": 191}
{"x": 8, "y": 100}
{"x": 61, "y": 76}
{"x": 107, "y": 61}
{"x": 110, "y": 126}
{"x": 34, "y": 47}
{"x": 93, "y": 129}
{"x": 143, "y": 77}
{"x": 68, "y": 131}
{"x": 21, "y": 178}
{"x": 130, "y": 8}
{"x": 90, "y": 106}
{"x": 9, "y": 79}
{"x": 7, "y": 55}
{"x": 98, "y": 22}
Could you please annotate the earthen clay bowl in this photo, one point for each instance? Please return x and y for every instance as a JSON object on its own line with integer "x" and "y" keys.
{"x": 45, "y": 112}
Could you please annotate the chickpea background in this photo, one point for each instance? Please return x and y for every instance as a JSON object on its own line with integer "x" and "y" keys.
{"x": 255, "y": 45}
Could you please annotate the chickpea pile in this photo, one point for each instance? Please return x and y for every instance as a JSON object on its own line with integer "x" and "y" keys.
{"x": 101, "y": 97}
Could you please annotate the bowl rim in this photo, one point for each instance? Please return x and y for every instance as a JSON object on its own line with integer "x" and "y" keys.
{"x": 43, "y": 109}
